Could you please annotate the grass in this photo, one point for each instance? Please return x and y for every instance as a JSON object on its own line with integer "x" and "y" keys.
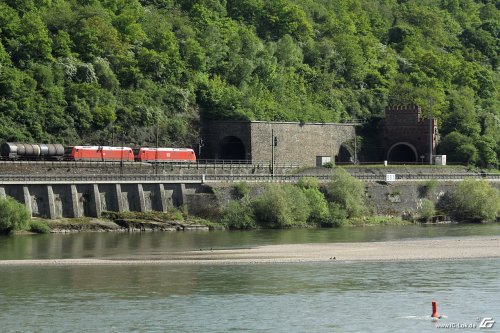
{"x": 376, "y": 220}
{"x": 39, "y": 227}
{"x": 427, "y": 166}
{"x": 171, "y": 215}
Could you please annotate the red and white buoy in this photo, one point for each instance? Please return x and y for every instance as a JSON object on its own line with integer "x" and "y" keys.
{"x": 435, "y": 313}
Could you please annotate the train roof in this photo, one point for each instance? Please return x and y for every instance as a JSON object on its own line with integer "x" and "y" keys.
{"x": 101, "y": 148}
{"x": 166, "y": 149}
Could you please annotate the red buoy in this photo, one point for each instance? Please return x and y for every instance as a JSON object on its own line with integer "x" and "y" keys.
{"x": 435, "y": 313}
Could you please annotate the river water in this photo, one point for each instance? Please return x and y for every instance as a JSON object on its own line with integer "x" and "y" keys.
{"x": 303, "y": 297}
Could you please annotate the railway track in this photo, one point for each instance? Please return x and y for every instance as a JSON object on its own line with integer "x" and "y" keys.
{"x": 209, "y": 178}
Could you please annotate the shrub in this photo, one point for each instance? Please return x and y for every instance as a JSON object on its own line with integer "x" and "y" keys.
{"x": 239, "y": 215}
{"x": 318, "y": 206}
{"x": 13, "y": 216}
{"x": 328, "y": 165}
{"x": 428, "y": 187}
{"x": 281, "y": 206}
{"x": 427, "y": 210}
{"x": 308, "y": 182}
{"x": 474, "y": 200}
{"x": 346, "y": 191}
{"x": 338, "y": 215}
{"x": 241, "y": 189}
{"x": 39, "y": 227}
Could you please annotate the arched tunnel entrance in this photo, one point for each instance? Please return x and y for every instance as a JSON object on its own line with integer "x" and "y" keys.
{"x": 402, "y": 152}
{"x": 344, "y": 155}
{"x": 232, "y": 148}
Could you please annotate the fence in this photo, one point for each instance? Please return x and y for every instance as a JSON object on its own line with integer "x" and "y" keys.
{"x": 230, "y": 178}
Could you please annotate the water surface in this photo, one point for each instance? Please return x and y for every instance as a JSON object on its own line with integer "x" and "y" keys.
{"x": 112, "y": 244}
{"x": 306, "y": 297}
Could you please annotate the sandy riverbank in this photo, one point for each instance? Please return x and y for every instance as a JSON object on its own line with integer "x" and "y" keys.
{"x": 426, "y": 249}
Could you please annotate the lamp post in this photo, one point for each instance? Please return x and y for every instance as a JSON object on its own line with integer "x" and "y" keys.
{"x": 431, "y": 132}
{"x": 121, "y": 151}
{"x": 274, "y": 143}
{"x": 201, "y": 143}
{"x": 157, "y": 142}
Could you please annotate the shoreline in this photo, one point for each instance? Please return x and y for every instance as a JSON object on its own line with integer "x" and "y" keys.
{"x": 457, "y": 248}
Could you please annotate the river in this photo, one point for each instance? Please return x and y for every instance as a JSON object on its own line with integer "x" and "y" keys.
{"x": 299, "y": 297}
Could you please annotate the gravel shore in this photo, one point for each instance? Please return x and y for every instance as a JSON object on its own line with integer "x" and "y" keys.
{"x": 425, "y": 249}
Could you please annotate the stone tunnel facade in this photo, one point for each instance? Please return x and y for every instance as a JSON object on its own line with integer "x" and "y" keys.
{"x": 407, "y": 135}
{"x": 293, "y": 142}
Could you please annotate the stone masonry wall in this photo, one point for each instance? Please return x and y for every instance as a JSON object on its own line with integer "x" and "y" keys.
{"x": 298, "y": 143}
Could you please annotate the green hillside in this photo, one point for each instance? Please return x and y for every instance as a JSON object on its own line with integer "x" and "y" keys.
{"x": 113, "y": 71}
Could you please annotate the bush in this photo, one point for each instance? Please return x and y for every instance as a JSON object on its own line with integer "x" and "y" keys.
{"x": 338, "y": 215}
{"x": 328, "y": 165}
{"x": 428, "y": 187}
{"x": 39, "y": 227}
{"x": 13, "y": 216}
{"x": 474, "y": 200}
{"x": 281, "y": 206}
{"x": 241, "y": 189}
{"x": 318, "y": 206}
{"x": 348, "y": 192}
{"x": 239, "y": 215}
{"x": 308, "y": 182}
{"x": 427, "y": 210}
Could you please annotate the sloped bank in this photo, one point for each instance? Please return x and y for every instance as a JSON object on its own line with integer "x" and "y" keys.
{"x": 129, "y": 222}
{"x": 386, "y": 203}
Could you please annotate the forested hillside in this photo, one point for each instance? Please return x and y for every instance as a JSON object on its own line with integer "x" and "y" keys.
{"x": 113, "y": 71}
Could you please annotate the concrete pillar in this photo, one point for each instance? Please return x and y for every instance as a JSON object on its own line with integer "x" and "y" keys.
{"x": 75, "y": 207}
{"x": 162, "y": 198}
{"x": 51, "y": 203}
{"x": 96, "y": 198}
{"x": 142, "y": 200}
{"x": 2, "y": 192}
{"x": 119, "y": 198}
{"x": 27, "y": 200}
{"x": 183, "y": 197}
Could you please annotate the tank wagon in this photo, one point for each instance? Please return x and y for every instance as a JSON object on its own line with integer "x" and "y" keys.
{"x": 27, "y": 151}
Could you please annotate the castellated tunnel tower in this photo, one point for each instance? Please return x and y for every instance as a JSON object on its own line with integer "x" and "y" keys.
{"x": 408, "y": 137}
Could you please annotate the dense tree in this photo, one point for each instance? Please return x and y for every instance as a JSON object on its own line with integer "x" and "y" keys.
{"x": 72, "y": 71}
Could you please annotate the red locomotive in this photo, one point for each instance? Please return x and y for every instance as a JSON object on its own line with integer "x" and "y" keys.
{"x": 99, "y": 153}
{"x": 166, "y": 155}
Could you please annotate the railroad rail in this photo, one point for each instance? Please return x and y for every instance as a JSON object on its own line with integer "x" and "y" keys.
{"x": 206, "y": 178}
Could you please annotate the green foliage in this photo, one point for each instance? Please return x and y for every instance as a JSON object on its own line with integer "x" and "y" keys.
{"x": 239, "y": 215}
{"x": 308, "y": 183}
{"x": 241, "y": 189}
{"x": 427, "y": 210}
{"x": 281, "y": 206}
{"x": 318, "y": 205}
{"x": 338, "y": 215}
{"x": 13, "y": 216}
{"x": 428, "y": 188}
{"x": 347, "y": 192}
{"x": 39, "y": 227}
{"x": 474, "y": 200}
{"x": 328, "y": 165}
{"x": 459, "y": 148}
{"x": 72, "y": 71}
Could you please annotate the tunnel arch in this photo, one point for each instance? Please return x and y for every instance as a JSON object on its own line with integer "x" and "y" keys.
{"x": 345, "y": 154}
{"x": 232, "y": 148}
{"x": 402, "y": 152}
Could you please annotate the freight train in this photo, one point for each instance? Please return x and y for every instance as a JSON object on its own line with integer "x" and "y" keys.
{"x": 36, "y": 152}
